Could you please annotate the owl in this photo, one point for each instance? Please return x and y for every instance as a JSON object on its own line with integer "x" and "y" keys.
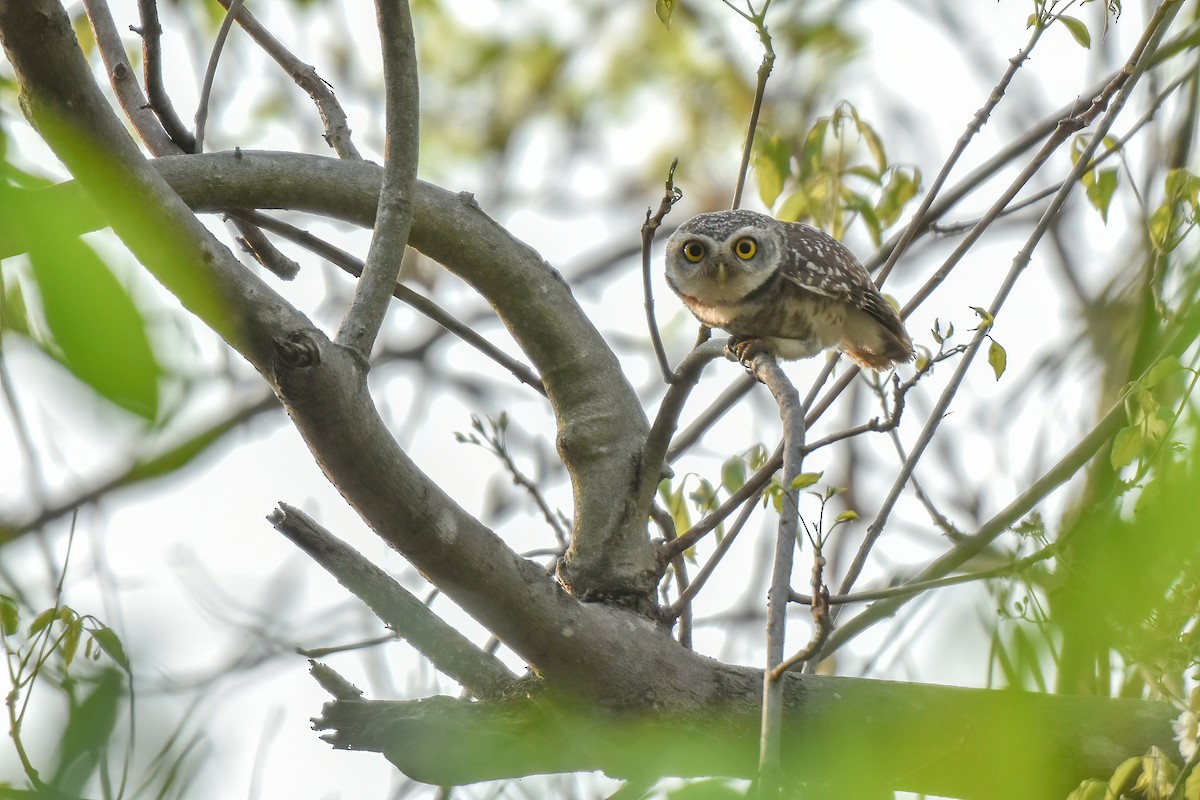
{"x": 783, "y": 287}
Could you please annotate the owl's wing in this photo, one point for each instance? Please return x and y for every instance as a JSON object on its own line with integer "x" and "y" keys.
{"x": 820, "y": 264}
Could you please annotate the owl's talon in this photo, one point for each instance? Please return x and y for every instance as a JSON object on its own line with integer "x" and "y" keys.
{"x": 743, "y": 350}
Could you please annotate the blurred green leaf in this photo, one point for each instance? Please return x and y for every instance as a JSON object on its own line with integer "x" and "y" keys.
{"x": 733, "y": 474}
{"x": 805, "y": 479}
{"x": 88, "y": 730}
{"x": 849, "y": 515}
{"x": 664, "y": 9}
{"x": 111, "y": 644}
{"x": 97, "y": 328}
{"x": 42, "y": 620}
{"x": 10, "y": 615}
{"x": 1101, "y": 185}
{"x": 1164, "y": 368}
{"x": 1126, "y": 446}
{"x": 1078, "y": 30}
{"x": 772, "y": 167}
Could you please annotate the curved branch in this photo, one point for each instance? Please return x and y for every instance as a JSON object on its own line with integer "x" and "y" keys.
{"x": 601, "y": 424}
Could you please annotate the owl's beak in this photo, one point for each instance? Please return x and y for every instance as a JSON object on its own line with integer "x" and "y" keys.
{"x": 722, "y": 274}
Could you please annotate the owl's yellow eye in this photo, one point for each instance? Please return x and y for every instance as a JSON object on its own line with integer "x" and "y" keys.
{"x": 745, "y": 248}
{"x": 693, "y": 251}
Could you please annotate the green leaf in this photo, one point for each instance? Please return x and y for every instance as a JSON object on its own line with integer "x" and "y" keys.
{"x": 1100, "y": 190}
{"x": 1162, "y": 225}
{"x": 111, "y": 644}
{"x": 733, "y": 474}
{"x": 42, "y": 620}
{"x": 1078, "y": 30}
{"x": 1126, "y": 446}
{"x": 99, "y": 332}
{"x": 70, "y": 643}
{"x": 874, "y": 143}
{"x": 1163, "y": 368}
{"x": 985, "y": 316}
{"x": 805, "y": 479}
{"x": 87, "y": 732}
{"x": 849, "y": 515}
{"x": 997, "y": 358}
{"x": 10, "y": 615}
{"x": 772, "y": 167}
{"x": 664, "y": 9}
{"x": 794, "y": 207}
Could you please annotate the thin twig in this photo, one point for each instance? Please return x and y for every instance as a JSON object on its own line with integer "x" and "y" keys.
{"x": 976, "y": 124}
{"x": 683, "y": 587}
{"x": 671, "y": 195}
{"x": 1116, "y": 93}
{"x": 764, "y": 72}
{"x": 682, "y": 604}
{"x": 210, "y": 72}
{"x": 333, "y": 117}
{"x": 354, "y": 266}
{"x": 917, "y": 587}
{"x": 120, "y": 74}
{"x": 160, "y": 101}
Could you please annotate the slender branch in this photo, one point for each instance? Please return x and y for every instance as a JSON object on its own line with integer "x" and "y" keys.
{"x": 1066, "y": 467}
{"x": 671, "y": 195}
{"x": 333, "y": 117}
{"x": 760, "y": 90}
{"x": 822, "y": 620}
{"x": 915, "y": 587}
{"x": 120, "y": 74}
{"x": 337, "y": 256}
{"x": 730, "y": 397}
{"x": 682, "y": 586}
{"x": 1118, "y": 144}
{"x": 683, "y": 603}
{"x": 767, "y": 369}
{"x": 160, "y": 101}
{"x": 210, "y": 73}
{"x": 261, "y": 249}
{"x": 680, "y": 385}
{"x": 394, "y": 217}
{"x": 976, "y": 124}
{"x": 1115, "y": 93}
{"x": 480, "y": 673}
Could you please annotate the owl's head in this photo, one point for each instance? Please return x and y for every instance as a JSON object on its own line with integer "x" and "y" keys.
{"x": 723, "y": 256}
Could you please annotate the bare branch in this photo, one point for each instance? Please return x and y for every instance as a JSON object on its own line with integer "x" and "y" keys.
{"x": 1116, "y": 92}
{"x": 770, "y": 769}
{"x": 125, "y": 85}
{"x": 160, "y": 101}
{"x": 393, "y": 219}
{"x": 671, "y": 196}
{"x": 333, "y": 117}
{"x": 480, "y": 673}
{"x": 210, "y": 72}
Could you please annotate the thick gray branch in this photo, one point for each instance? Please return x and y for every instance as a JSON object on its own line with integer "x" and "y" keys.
{"x": 601, "y": 423}
{"x": 479, "y": 672}
{"x": 318, "y": 381}
{"x": 844, "y": 737}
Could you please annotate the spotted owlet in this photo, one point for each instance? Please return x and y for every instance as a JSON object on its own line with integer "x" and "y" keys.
{"x": 783, "y": 287}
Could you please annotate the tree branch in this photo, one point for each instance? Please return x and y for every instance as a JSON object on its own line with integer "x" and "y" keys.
{"x": 393, "y": 218}
{"x": 479, "y": 672}
{"x": 831, "y": 723}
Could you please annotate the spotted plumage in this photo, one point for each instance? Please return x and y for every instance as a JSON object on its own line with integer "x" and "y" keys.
{"x": 784, "y": 287}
